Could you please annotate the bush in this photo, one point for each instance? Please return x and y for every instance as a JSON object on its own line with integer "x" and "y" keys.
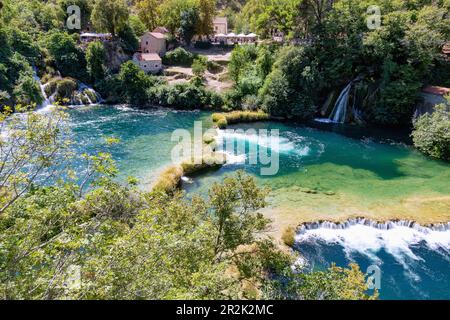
{"x": 222, "y": 123}
{"x": 65, "y": 88}
{"x": 212, "y": 162}
{"x": 135, "y": 83}
{"x": 179, "y": 56}
{"x": 214, "y": 67}
{"x": 224, "y": 119}
{"x": 431, "y": 134}
{"x": 183, "y": 96}
{"x": 288, "y": 236}
{"x": 68, "y": 57}
{"x": 199, "y": 66}
{"x": 169, "y": 180}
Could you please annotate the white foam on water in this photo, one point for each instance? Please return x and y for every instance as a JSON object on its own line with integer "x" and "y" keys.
{"x": 368, "y": 238}
{"x": 235, "y": 159}
{"x": 186, "y": 179}
{"x": 279, "y": 144}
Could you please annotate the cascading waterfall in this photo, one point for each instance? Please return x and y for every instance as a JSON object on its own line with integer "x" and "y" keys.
{"x": 412, "y": 259}
{"x": 48, "y": 101}
{"x": 374, "y": 224}
{"x": 84, "y": 95}
{"x": 339, "y": 112}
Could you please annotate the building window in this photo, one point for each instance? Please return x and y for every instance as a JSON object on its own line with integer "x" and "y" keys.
{"x": 156, "y": 66}
{"x": 146, "y": 42}
{"x": 145, "y": 66}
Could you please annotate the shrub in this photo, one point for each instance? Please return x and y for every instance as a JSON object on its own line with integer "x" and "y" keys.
{"x": 199, "y": 66}
{"x": 65, "y": 88}
{"x": 169, "y": 180}
{"x": 224, "y": 119}
{"x": 69, "y": 59}
{"x": 179, "y": 56}
{"x": 222, "y": 123}
{"x": 431, "y": 133}
{"x": 212, "y": 162}
{"x": 183, "y": 96}
{"x": 214, "y": 67}
{"x": 288, "y": 236}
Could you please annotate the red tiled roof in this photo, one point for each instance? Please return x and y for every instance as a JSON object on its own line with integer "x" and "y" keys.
{"x": 148, "y": 57}
{"x": 161, "y": 30}
{"x": 157, "y": 35}
{"x": 440, "y": 91}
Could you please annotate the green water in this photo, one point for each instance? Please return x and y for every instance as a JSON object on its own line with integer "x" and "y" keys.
{"x": 145, "y": 136}
{"x": 345, "y": 170}
{"x": 349, "y": 172}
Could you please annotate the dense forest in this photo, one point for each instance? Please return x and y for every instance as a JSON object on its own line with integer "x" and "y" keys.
{"x": 83, "y": 235}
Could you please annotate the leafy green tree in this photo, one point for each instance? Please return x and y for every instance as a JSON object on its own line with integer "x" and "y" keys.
{"x": 110, "y": 15}
{"x": 130, "y": 43}
{"x": 85, "y": 8}
{"x": 137, "y": 25}
{"x": 235, "y": 204}
{"x": 27, "y": 91}
{"x": 189, "y": 19}
{"x": 207, "y": 12}
{"x": 171, "y": 13}
{"x": 148, "y": 12}
{"x": 95, "y": 59}
{"x": 134, "y": 83}
{"x": 69, "y": 59}
{"x": 431, "y": 133}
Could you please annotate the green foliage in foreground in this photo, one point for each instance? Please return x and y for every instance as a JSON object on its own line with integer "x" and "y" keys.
{"x": 431, "y": 133}
{"x": 89, "y": 237}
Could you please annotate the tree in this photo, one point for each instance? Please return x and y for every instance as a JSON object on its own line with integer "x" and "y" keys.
{"x": 207, "y": 12}
{"x": 95, "y": 59}
{"x": 27, "y": 91}
{"x": 235, "y": 204}
{"x": 134, "y": 83}
{"x": 171, "y": 13}
{"x": 85, "y": 8}
{"x": 110, "y": 15}
{"x": 69, "y": 59}
{"x": 130, "y": 42}
{"x": 137, "y": 25}
{"x": 431, "y": 133}
{"x": 42, "y": 149}
{"x": 148, "y": 12}
{"x": 188, "y": 23}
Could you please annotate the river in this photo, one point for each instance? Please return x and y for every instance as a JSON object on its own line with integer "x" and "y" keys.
{"x": 326, "y": 172}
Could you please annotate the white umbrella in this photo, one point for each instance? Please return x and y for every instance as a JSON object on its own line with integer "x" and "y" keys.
{"x": 231, "y": 35}
{"x": 220, "y": 35}
{"x": 251, "y": 35}
{"x": 241, "y": 35}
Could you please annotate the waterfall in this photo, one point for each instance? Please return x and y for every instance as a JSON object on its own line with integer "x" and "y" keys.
{"x": 374, "y": 224}
{"x": 86, "y": 94}
{"x": 48, "y": 101}
{"x": 339, "y": 113}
